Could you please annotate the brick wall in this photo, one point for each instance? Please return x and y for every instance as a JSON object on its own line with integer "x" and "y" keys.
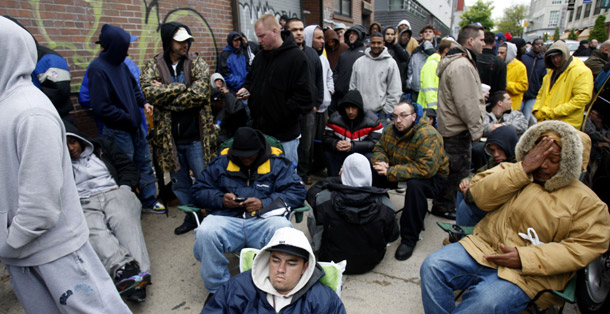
{"x": 71, "y": 27}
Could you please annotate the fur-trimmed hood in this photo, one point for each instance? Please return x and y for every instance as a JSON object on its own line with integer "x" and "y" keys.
{"x": 571, "y": 162}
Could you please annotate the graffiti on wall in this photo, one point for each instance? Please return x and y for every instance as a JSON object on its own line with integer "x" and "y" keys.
{"x": 251, "y": 10}
{"x": 149, "y": 36}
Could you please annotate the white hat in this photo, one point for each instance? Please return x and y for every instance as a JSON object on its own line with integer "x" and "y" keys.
{"x": 182, "y": 35}
{"x": 340, "y": 26}
{"x": 404, "y": 22}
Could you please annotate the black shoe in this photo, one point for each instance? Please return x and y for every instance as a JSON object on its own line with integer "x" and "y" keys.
{"x": 403, "y": 252}
{"x": 138, "y": 295}
{"x": 188, "y": 225}
{"x": 444, "y": 214}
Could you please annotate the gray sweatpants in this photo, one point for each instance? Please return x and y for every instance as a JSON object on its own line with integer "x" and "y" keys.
{"x": 75, "y": 283}
{"x": 115, "y": 229}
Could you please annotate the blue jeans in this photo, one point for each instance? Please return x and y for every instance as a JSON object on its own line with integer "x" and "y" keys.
{"x": 451, "y": 268}
{"x": 134, "y": 145}
{"x": 222, "y": 234}
{"x": 190, "y": 157}
{"x": 291, "y": 151}
{"x": 467, "y": 214}
{"x": 526, "y": 108}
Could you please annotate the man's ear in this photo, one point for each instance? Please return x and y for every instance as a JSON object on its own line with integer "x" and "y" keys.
{"x": 305, "y": 267}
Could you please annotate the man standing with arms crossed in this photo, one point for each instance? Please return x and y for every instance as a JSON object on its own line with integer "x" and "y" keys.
{"x": 178, "y": 84}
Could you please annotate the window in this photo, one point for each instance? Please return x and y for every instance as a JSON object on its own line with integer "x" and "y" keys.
{"x": 578, "y": 11}
{"x": 571, "y": 16}
{"x": 587, "y": 10}
{"x": 598, "y": 7}
{"x": 343, "y": 7}
{"x": 556, "y": 2}
{"x": 553, "y": 18}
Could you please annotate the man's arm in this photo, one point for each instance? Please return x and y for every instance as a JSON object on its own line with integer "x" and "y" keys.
{"x": 206, "y": 191}
{"x": 159, "y": 95}
{"x": 198, "y": 94}
{"x": 319, "y": 79}
{"x": 101, "y": 102}
{"x": 468, "y": 98}
{"x": 520, "y": 85}
{"x": 494, "y": 187}
{"x": 41, "y": 179}
{"x": 288, "y": 185}
{"x": 581, "y": 95}
{"x": 301, "y": 97}
{"x": 366, "y": 146}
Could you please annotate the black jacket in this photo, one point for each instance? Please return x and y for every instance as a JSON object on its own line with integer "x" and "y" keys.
{"x": 492, "y": 71}
{"x": 536, "y": 70}
{"x": 358, "y": 223}
{"x": 363, "y": 132}
{"x": 315, "y": 73}
{"x": 278, "y": 82}
{"x": 343, "y": 71}
{"x": 402, "y": 58}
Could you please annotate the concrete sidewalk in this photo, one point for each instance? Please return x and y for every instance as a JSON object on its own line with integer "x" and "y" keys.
{"x": 392, "y": 287}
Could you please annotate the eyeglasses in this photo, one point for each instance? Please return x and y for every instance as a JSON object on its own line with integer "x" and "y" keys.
{"x": 401, "y": 116}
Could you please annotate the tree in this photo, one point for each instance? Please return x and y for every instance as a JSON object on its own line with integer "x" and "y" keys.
{"x": 556, "y": 34}
{"x": 480, "y": 12}
{"x": 599, "y": 29}
{"x": 572, "y": 35}
{"x": 512, "y": 21}
{"x": 545, "y": 36}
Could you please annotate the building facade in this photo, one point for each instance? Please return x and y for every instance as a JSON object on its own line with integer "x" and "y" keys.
{"x": 583, "y": 17}
{"x": 419, "y": 14}
{"x": 544, "y": 16}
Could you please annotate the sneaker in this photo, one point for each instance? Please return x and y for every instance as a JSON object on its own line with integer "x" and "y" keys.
{"x": 138, "y": 295}
{"x": 157, "y": 209}
{"x": 129, "y": 277}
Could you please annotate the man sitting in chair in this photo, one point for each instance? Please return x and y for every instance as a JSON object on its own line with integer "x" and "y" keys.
{"x": 284, "y": 277}
{"x": 238, "y": 189}
{"x": 542, "y": 225}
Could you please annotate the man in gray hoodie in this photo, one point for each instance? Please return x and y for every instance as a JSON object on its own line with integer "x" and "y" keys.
{"x": 43, "y": 233}
{"x": 376, "y": 76}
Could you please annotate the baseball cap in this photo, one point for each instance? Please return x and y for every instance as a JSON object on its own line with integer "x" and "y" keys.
{"x": 182, "y": 35}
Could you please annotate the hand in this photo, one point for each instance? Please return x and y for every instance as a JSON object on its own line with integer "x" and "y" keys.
{"x": 224, "y": 90}
{"x": 156, "y": 83}
{"x": 486, "y": 96}
{"x": 343, "y": 146}
{"x": 228, "y": 201}
{"x": 252, "y": 204}
{"x": 381, "y": 167}
{"x": 243, "y": 93}
{"x": 509, "y": 259}
{"x": 464, "y": 186}
{"x": 315, "y": 109}
{"x": 536, "y": 156}
{"x": 494, "y": 126}
{"x": 148, "y": 108}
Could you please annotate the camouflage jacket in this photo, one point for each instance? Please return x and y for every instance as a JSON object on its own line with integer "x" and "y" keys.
{"x": 175, "y": 96}
{"x": 418, "y": 154}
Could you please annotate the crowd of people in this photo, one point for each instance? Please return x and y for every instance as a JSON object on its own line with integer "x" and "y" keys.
{"x": 487, "y": 128}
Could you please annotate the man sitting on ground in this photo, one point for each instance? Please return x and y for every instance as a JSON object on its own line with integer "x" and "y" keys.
{"x": 542, "y": 225}
{"x": 247, "y": 179}
{"x": 350, "y": 129}
{"x": 105, "y": 179}
{"x": 284, "y": 277}
{"x": 358, "y": 219}
{"x": 411, "y": 150}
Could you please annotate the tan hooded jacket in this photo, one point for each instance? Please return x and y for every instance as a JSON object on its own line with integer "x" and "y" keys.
{"x": 571, "y": 221}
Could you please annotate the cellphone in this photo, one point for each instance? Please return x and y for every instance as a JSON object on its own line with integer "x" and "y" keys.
{"x": 243, "y": 94}
{"x": 239, "y": 199}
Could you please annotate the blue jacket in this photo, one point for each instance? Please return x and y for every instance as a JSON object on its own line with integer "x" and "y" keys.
{"x": 535, "y": 72}
{"x": 274, "y": 177}
{"x": 115, "y": 94}
{"x": 233, "y": 64}
{"x": 240, "y": 295}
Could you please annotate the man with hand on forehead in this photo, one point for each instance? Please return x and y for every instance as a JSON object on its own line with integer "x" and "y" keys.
{"x": 542, "y": 225}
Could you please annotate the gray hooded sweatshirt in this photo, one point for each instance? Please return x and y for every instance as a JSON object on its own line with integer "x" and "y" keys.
{"x": 41, "y": 218}
{"x": 377, "y": 80}
{"x": 511, "y": 52}
{"x": 327, "y": 72}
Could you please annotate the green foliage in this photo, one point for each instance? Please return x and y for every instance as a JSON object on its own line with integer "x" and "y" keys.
{"x": 599, "y": 29}
{"x": 545, "y": 37}
{"x": 572, "y": 35}
{"x": 556, "y": 35}
{"x": 479, "y": 12}
{"x": 513, "y": 18}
